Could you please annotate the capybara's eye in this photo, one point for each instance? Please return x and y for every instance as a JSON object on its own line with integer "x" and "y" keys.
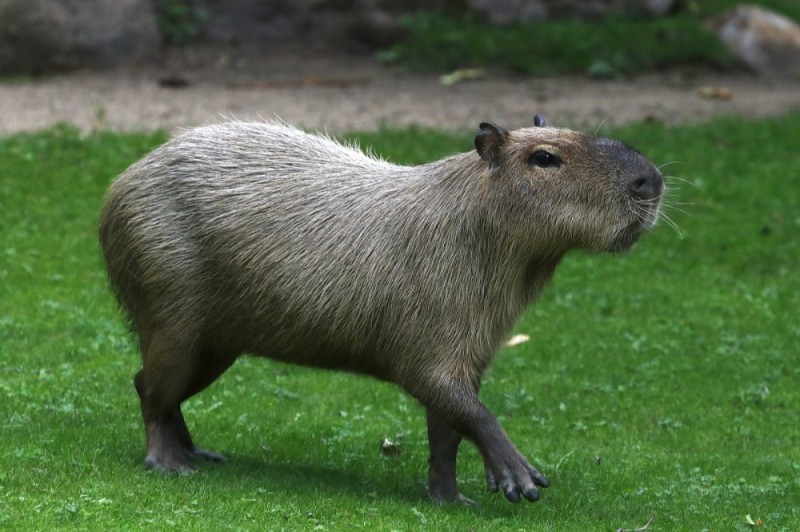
{"x": 544, "y": 159}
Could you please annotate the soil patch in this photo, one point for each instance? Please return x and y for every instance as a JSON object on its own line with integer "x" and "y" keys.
{"x": 323, "y": 89}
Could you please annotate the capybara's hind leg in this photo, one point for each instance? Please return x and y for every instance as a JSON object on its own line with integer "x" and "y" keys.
{"x": 443, "y": 441}
{"x": 161, "y": 384}
{"x": 211, "y": 367}
{"x": 169, "y": 378}
{"x": 163, "y": 429}
{"x": 185, "y": 438}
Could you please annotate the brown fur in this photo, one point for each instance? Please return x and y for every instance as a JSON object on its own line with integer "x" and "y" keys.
{"x": 261, "y": 239}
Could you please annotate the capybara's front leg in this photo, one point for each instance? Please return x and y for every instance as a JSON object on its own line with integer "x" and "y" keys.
{"x": 506, "y": 468}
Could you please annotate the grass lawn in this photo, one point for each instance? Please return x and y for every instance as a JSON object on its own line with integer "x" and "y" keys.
{"x": 661, "y": 384}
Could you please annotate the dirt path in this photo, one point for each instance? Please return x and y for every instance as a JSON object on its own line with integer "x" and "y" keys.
{"x": 318, "y": 90}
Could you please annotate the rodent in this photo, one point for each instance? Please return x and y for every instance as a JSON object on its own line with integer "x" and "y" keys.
{"x": 260, "y": 238}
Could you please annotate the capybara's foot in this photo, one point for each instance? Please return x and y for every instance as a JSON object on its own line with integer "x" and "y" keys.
{"x": 179, "y": 462}
{"x": 466, "y": 501}
{"x": 164, "y": 449}
{"x": 176, "y": 463}
{"x": 443, "y": 498}
{"x": 515, "y": 477}
{"x": 196, "y": 453}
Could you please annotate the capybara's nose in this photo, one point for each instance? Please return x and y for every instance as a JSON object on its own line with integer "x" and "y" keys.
{"x": 647, "y": 186}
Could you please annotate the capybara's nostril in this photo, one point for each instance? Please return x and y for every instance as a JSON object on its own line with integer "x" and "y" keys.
{"x": 647, "y": 186}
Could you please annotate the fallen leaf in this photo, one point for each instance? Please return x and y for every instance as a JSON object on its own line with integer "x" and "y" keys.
{"x": 755, "y": 524}
{"x": 517, "y": 339}
{"x": 715, "y": 93}
{"x": 462, "y": 74}
{"x": 389, "y": 448}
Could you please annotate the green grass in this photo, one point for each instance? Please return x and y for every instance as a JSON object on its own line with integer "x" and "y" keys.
{"x": 616, "y": 45}
{"x": 662, "y": 383}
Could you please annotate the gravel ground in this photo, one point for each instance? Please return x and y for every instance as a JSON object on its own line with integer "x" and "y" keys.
{"x": 319, "y": 89}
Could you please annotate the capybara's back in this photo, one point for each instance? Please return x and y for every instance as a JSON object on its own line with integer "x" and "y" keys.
{"x": 259, "y": 238}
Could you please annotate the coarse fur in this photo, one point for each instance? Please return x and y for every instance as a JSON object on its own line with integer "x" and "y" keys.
{"x": 260, "y": 238}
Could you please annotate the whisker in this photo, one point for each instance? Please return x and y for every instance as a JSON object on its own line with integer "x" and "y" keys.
{"x": 682, "y": 180}
{"x": 643, "y": 211}
{"x": 677, "y": 228}
{"x": 660, "y": 167}
{"x": 653, "y": 210}
{"x": 672, "y": 189}
{"x": 672, "y": 224}
{"x": 678, "y": 204}
{"x": 674, "y": 202}
{"x": 668, "y": 209}
{"x": 601, "y": 124}
{"x": 677, "y": 210}
{"x": 669, "y": 204}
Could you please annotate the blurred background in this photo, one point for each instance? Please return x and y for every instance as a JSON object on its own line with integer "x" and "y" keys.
{"x": 659, "y": 387}
{"x": 356, "y": 64}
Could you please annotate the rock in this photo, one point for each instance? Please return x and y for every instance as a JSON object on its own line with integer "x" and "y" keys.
{"x": 47, "y": 35}
{"x": 765, "y": 41}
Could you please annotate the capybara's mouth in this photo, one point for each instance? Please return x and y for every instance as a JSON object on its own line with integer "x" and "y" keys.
{"x": 627, "y": 237}
{"x": 646, "y": 215}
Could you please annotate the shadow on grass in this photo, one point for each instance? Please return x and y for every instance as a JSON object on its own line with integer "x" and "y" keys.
{"x": 323, "y": 480}
{"x": 331, "y": 482}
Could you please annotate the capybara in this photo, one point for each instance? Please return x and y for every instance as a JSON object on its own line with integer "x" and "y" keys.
{"x": 260, "y": 238}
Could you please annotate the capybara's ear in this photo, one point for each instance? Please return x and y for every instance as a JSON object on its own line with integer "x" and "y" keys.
{"x": 489, "y": 141}
{"x": 540, "y": 121}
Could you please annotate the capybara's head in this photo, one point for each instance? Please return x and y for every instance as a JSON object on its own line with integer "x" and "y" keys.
{"x": 570, "y": 189}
